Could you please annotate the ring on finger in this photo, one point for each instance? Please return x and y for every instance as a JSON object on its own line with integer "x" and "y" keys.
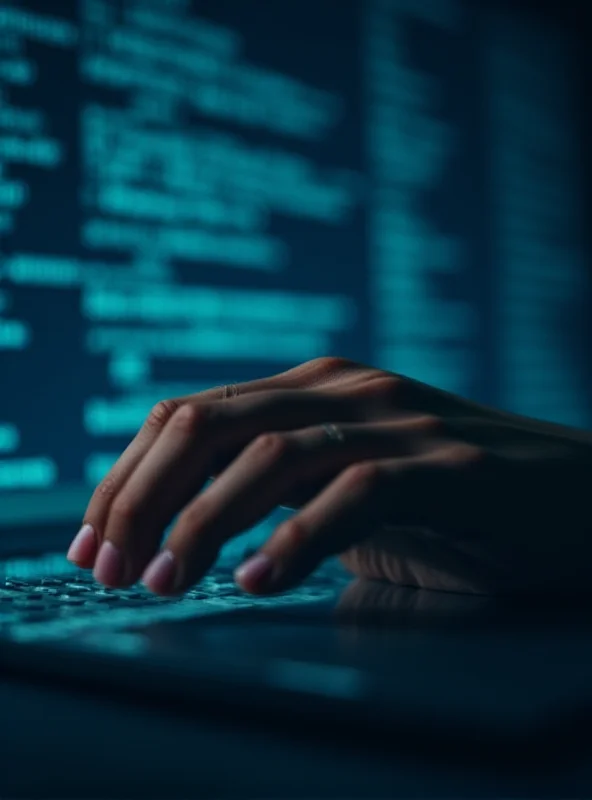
{"x": 229, "y": 391}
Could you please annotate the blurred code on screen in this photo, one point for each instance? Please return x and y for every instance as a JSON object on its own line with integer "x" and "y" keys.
{"x": 197, "y": 193}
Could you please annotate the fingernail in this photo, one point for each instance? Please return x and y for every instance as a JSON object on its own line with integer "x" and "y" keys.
{"x": 84, "y": 545}
{"x": 109, "y": 565}
{"x": 254, "y": 571}
{"x": 159, "y": 575}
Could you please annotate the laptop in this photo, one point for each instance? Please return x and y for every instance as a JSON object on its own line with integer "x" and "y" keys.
{"x": 460, "y": 676}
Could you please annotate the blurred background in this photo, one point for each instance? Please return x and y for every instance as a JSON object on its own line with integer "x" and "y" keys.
{"x": 200, "y": 192}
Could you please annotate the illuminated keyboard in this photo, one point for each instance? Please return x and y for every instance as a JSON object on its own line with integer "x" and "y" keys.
{"x": 51, "y": 607}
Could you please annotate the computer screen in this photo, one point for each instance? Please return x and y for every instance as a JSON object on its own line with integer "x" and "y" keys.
{"x": 200, "y": 192}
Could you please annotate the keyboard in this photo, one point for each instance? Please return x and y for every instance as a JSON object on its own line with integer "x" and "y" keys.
{"x": 49, "y": 607}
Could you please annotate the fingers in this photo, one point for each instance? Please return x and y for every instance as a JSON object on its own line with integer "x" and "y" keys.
{"x": 83, "y": 551}
{"x": 182, "y": 442}
{"x": 271, "y": 467}
{"x": 318, "y": 372}
{"x": 422, "y": 491}
{"x": 84, "y": 548}
{"x": 177, "y": 465}
{"x": 328, "y": 373}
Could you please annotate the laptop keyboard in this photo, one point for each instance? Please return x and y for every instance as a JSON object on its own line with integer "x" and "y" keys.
{"x": 44, "y": 598}
{"x": 50, "y": 607}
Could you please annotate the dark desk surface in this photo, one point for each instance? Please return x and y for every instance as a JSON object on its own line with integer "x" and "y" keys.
{"x": 57, "y": 743}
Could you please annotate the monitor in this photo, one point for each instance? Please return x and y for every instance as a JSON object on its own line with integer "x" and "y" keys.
{"x": 199, "y": 192}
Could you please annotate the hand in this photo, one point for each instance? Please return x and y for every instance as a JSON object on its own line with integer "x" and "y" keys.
{"x": 427, "y": 489}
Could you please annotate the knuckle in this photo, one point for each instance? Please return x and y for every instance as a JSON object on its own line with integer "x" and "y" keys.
{"x": 271, "y": 445}
{"x": 386, "y": 383}
{"x": 107, "y": 488}
{"x": 293, "y": 534}
{"x": 123, "y": 509}
{"x": 160, "y": 414}
{"x": 389, "y": 388}
{"x": 190, "y": 518}
{"x": 363, "y": 477}
{"x": 189, "y": 419}
{"x": 465, "y": 455}
{"x": 330, "y": 364}
{"x": 430, "y": 424}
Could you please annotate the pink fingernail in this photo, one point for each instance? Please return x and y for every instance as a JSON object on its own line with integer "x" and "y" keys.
{"x": 159, "y": 575}
{"x": 84, "y": 546}
{"x": 254, "y": 571}
{"x": 109, "y": 566}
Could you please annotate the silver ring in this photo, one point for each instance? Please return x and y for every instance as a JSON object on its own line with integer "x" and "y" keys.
{"x": 231, "y": 390}
{"x": 333, "y": 432}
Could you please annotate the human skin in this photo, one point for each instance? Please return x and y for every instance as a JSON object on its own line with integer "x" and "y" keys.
{"x": 426, "y": 489}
